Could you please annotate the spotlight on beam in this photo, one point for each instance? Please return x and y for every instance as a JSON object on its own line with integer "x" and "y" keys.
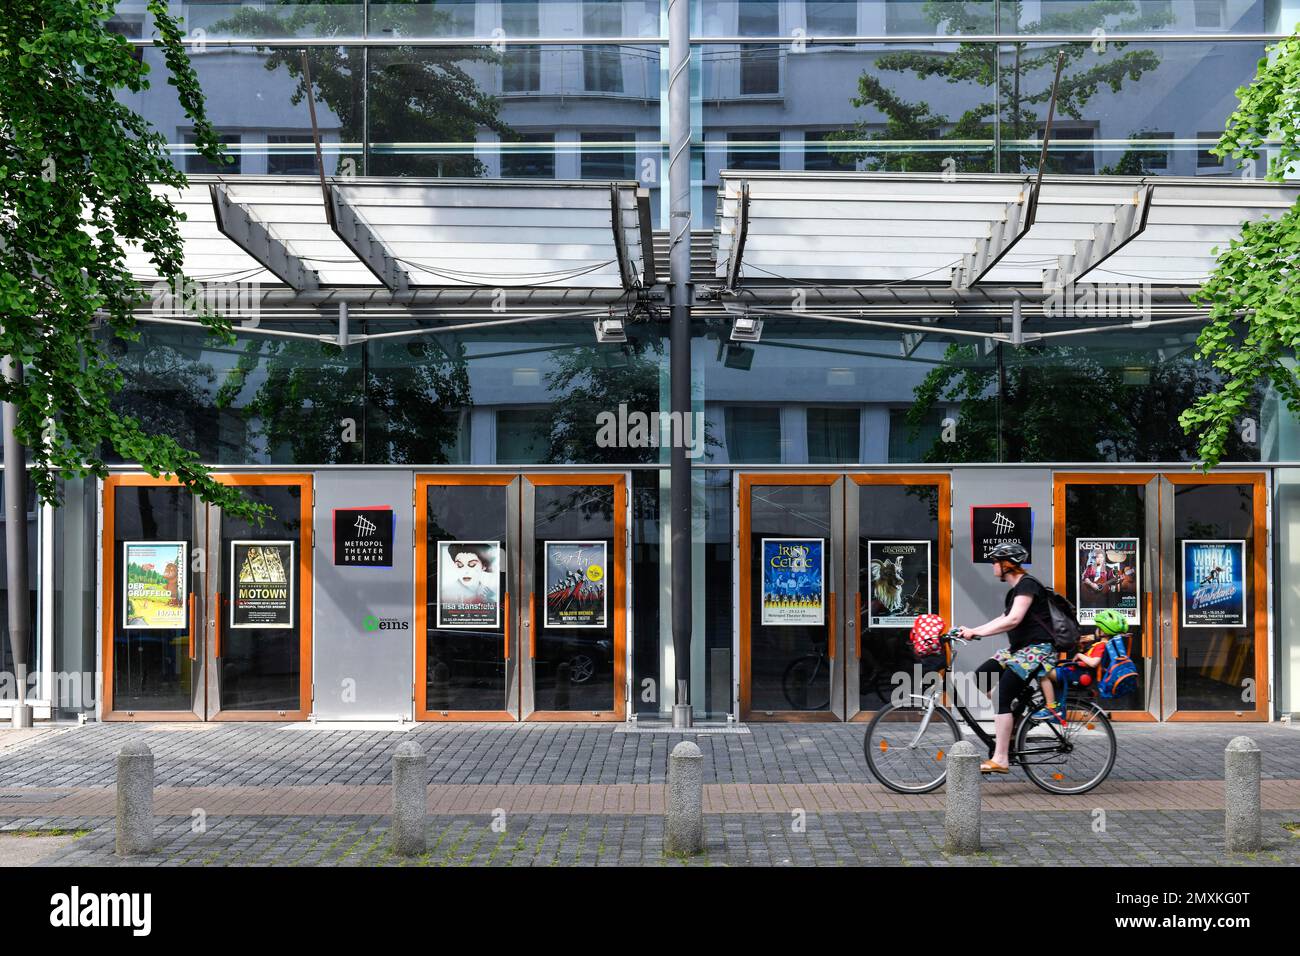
{"x": 610, "y": 330}
{"x": 746, "y": 328}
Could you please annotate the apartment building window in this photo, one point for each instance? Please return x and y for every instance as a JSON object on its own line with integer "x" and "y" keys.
{"x": 518, "y": 162}
{"x": 834, "y": 436}
{"x": 605, "y": 157}
{"x": 903, "y": 447}
{"x": 753, "y": 434}
{"x": 757, "y": 150}
{"x": 1074, "y": 162}
{"x": 1155, "y": 158}
{"x": 1209, "y": 14}
{"x": 822, "y": 154}
{"x": 290, "y": 154}
{"x": 832, "y": 18}
{"x": 760, "y": 64}
{"x": 602, "y": 66}
{"x": 1204, "y": 158}
{"x": 907, "y": 17}
{"x": 197, "y": 163}
{"x": 521, "y": 70}
{"x": 523, "y": 435}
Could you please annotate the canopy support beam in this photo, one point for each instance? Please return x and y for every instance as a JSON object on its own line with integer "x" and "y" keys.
{"x": 237, "y": 224}
{"x": 1108, "y": 238}
{"x": 365, "y": 245}
{"x": 737, "y": 253}
{"x": 1003, "y": 235}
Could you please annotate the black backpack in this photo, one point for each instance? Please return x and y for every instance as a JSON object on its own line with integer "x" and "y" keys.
{"x": 1064, "y": 624}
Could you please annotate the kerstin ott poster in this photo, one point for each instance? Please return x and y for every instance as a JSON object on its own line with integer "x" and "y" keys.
{"x": 900, "y": 582}
{"x": 1107, "y": 571}
{"x": 469, "y": 584}
{"x": 1214, "y": 584}
{"x": 154, "y": 585}
{"x": 794, "y": 581}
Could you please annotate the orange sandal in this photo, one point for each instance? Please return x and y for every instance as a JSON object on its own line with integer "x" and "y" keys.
{"x": 988, "y": 766}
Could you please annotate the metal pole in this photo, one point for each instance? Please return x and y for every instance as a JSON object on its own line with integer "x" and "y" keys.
{"x": 20, "y": 620}
{"x": 679, "y": 272}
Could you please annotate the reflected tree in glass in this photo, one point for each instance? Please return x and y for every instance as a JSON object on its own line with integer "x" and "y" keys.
{"x": 168, "y": 392}
{"x": 407, "y": 94}
{"x": 1017, "y": 74}
{"x": 1065, "y": 403}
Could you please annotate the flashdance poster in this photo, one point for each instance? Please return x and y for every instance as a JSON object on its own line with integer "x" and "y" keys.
{"x": 794, "y": 581}
{"x": 469, "y": 584}
{"x": 900, "y": 582}
{"x": 1214, "y": 584}
{"x": 155, "y": 584}
{"x": 1108, "y": 574}
{"x": 261, "y": 584}
{"x": 576, "y": 595}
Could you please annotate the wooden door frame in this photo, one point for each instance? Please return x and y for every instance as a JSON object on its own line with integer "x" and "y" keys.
{"x": 944, "y": 482}
{"x": 1259, "y": 577}
{"x": 623, "y": 551}
{"x": 1151, "y": 576}
{"x": 421, "y": 689}
{"x": 306, "y": 505}
{"x": 108, "y": 601}
{"x": 109, "y": 598}
{"x": 745, "y": 485}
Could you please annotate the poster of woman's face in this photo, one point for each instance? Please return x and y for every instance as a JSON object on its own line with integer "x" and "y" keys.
{"x": 469, "y": 583}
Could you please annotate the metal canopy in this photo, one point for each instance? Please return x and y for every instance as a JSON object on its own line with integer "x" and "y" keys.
{"x": 404, "y": 236}
{"x": 926, "y": 230}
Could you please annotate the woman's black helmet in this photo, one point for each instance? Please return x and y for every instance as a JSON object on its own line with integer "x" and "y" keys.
{"x": 1011, "y": 551}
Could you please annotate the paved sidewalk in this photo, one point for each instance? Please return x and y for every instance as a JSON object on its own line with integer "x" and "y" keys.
{"x": 1145, "y": 838}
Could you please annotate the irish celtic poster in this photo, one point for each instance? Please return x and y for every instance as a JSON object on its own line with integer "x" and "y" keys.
{"x": 794, "y": 581}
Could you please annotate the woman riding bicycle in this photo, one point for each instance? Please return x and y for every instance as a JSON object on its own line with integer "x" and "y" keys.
{"x": 1027, "y": 622}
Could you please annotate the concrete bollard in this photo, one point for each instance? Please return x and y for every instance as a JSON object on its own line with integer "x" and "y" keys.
{"x": 1241, "y": 801}
{"x": 134, "y": 799}
{"x": 409, "y": 801}
{"x": 684, "y": 826}
{"x": 961, "y": 821}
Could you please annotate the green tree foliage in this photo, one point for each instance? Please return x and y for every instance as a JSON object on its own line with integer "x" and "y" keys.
{"x": 409, "y": 94}
{"x": 76, "y": 168}
{"x": 1017, "y": 76}
{"x": 1254, "y": 326}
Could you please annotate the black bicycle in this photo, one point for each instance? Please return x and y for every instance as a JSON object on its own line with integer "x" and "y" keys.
{"x": 906, "y": 743}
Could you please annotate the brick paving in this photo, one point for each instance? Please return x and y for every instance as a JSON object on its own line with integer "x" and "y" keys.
{"x": 585, "y": 794}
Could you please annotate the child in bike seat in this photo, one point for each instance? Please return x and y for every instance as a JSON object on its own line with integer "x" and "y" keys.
{"x": 1077, "y": 670}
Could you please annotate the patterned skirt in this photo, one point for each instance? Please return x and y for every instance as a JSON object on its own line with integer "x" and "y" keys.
{"x": 1026, "y": 661}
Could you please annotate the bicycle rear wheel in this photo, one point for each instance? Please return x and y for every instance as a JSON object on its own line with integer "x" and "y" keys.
{"x": 905, "y": 758}
{"x": 1068, "y": 759}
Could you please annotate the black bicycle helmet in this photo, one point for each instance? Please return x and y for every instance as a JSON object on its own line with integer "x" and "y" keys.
{"x": 1011, "y": 551}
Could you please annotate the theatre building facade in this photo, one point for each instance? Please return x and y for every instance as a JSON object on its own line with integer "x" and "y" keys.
{"x": 449, "y": 383}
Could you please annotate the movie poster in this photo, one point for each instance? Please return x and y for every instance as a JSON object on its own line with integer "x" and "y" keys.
{"x": 469, "y": 584}
{"x": 794, "y": 581}
{"x": 1214, "y": 584}
{"x": 261, "y": 584}
{"x": 155, "y": 585}
{"x": 576, "y": 595}
{"x": 900, "y": 582}
{"x": 1107, "y": 571}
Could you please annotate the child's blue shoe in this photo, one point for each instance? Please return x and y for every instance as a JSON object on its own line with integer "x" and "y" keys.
{"x": 1050, "y": 715}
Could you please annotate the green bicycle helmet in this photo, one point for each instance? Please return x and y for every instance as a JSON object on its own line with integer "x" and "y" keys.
{"x": 1110, "y": 622}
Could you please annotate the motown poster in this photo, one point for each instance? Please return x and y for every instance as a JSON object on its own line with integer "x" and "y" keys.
{"x": 154, "y": 585}
{"x": 794, "y": 581}
{"x": 900, "y": 582}
{"x": 469, "y": 584}
{"x": 1214, "y": 584}
{"x": 1108, "y": 575}
{"x": 261, "y": 584}
{"x": 576, "y": 595}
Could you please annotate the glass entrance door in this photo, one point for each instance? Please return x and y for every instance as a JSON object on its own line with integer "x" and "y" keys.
{"x": 790, "y": 541}
{"x": 1183, "y": 557}
{"x": 206, "y": 617}
{"x": 899, "y": 569}
{"x": 467, "y": 573}
{"x": 574, "y": 544}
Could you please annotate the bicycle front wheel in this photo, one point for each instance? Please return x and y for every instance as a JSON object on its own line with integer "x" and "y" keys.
{"x": 1069, "y": 759}
{"x": 903, "y": 755}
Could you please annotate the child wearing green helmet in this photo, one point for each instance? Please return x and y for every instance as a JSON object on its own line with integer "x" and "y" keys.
{"x": 1092, "y": 647}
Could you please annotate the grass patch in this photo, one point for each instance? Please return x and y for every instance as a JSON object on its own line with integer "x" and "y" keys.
{"x": 54, "y": 832}
{"x": 1293, "y": 827}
